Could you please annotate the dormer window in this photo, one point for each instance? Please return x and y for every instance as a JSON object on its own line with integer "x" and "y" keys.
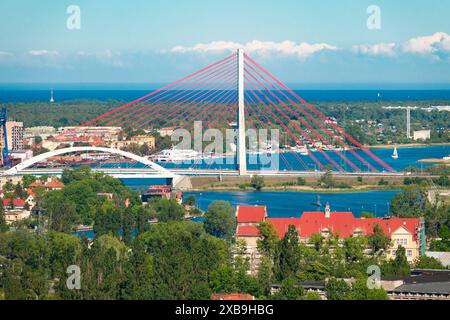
{"x": 325, "y": 232}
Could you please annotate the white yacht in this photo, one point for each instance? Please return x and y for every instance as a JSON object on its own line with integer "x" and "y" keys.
{"x": 177, "y": 155}
{"x": 301, "y": 149}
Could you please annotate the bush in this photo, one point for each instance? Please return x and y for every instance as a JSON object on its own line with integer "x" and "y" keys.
{"x": 301, "y": 181}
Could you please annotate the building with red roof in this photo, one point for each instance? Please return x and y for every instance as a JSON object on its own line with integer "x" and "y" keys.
{"x": 17, "y": 203}
{"x": 407, "y": 232}
{"x": 50, "y": 184}
{"x": 250, "y": 214}
{"x": 248, "y": 219}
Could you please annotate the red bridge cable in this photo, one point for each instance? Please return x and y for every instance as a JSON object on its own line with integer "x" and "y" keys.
{"x": 321, "y": 115}
{"x": 204, "y": 115}
{"x": 284, "y": 126}
{"x": 179, "y": 83}
{"x": 331, "y": 160}
{"x": 327, "y": 131}
{"x": 207, "y": 93}
{"x": 182, "y": 93}
{"x": 197, "y": 94}
{"x": 134, "y": 101}
{"x": 289, "y": 120}
{"x": 223, "y": 99}
{"x": 262, "y": 126}
{"x": 252, "y": 124}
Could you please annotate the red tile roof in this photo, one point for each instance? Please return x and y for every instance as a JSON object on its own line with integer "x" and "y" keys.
{"x": 17, "y": 202}
{"x": 342, "y": 223}
{"x": 232, "y": 296}
{"x": 36, "y": 183}
{"x": 247, "y": 231}
{"x": 251, "y": 214}
{"x": 54, "y": 184}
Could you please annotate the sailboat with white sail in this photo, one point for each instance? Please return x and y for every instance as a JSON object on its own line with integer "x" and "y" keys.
{"x": 395, "y": 154}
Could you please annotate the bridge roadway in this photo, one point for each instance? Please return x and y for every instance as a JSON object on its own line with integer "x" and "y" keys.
{"x": 139, "y": 173}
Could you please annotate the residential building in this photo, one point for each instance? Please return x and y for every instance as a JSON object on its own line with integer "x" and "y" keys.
{"x": 15, "y": 210}
{"x": 248, "y": 218}
{"x": 49, "y": 185}
{"x": 139, "y": 140}
{"x": 166, "y": 131}
{"x": 407, "y": 232}
{"x": 422, "y": 284}
{"x": 162, "y": 191}
{"x": 15, "y": 133}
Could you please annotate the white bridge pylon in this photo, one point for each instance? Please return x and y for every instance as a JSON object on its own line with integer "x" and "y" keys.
{"x": 41, "y": 157}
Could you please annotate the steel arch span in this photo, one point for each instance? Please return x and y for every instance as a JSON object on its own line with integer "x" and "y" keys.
{"x": 28, "y": 163}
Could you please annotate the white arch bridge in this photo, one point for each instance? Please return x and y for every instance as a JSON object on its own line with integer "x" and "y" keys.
{"x": 154, "y": 170}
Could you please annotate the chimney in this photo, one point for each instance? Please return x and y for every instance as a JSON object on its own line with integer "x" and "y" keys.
{"x": 327, "y": 210}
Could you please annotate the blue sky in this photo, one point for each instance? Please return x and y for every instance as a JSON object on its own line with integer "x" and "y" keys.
{"x": 157, "y": 41}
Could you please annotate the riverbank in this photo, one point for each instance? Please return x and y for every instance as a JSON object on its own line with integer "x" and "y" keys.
{"x": 432, "y": 160}
{"x": 358, "y": 189}
{"x": 301, "y": 185}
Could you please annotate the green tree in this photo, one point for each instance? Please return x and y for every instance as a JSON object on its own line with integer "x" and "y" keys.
{"x": 190, "y": 200}
{"x": 257, "y": 182}
{"x": 367, "y": 215}
{"x": 108, "y": 220}
{"x": 360, "y": 291}
{"x": 137, "y": 283}
{"x": 378, "y": 241}
{"x": 288, "y": 261}
{"x": 425, "y": 262}
{"x": 400, "y": 265}
{"x": 326, "y": 180}
{"x": 128, "y": 223}
{"x": 3, "y": 226}
{"x": 290, "y": 289}
{"x": 268, "y": 242}
{"x": 168, "y": 210}
{"x": 60, "y": 211}
{"x": 220, "y": 220}
{"x": 27, "y": 180}
{"x": 354, "y": 249}
{"x": 184, "y": 257}
{"x": 411, "y": 202}
{"x": 143, "y": 217}
{"x": 337, "y": 289}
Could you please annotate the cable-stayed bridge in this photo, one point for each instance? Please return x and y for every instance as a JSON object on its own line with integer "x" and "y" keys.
{"x": 235, "y": 89}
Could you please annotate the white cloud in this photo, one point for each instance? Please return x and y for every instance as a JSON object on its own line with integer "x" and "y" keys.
{"x": 43, "y": 53}
{"x": 97, "y": 54}
{"x": 302, "y": 50}
{"x": 379, "y": 49}
{"x": 434, "y": 44}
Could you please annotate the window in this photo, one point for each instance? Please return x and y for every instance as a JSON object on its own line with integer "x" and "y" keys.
{"x": 402, "y": 242}
{"x": 409, "y": 253}
{"x": 394, "y": 252}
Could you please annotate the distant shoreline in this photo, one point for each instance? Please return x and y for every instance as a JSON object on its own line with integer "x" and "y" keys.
{"x": 408, "y": 145}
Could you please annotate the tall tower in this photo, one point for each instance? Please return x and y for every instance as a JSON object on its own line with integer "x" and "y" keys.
{"x": 408, "y": 122}
{"x": 51, "y": 97}
{"x": 241, "y": 152}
